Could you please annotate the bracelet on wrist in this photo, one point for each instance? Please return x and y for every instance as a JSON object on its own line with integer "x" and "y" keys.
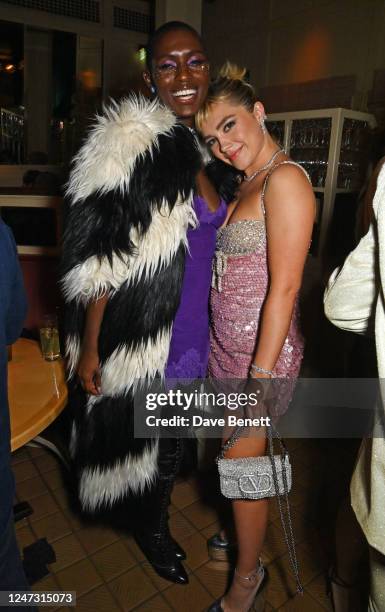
{"x": 259, "y": 370}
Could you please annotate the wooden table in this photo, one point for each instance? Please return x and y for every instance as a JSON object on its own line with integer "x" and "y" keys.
{"x": 37, "y": 391}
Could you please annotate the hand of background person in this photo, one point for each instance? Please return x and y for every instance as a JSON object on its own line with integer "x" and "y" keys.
{"x": 89, "y": 371}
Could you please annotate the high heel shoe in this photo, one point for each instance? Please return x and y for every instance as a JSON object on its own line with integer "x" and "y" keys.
{"x": 259, "y": 576}
{"x": 160, "y": 552}
{"x": 220, "y": 549}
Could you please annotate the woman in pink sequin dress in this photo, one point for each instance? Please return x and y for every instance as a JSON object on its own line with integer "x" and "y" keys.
{"x": 260, "y": 255}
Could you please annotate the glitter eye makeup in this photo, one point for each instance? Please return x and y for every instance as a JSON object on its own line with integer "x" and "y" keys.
{"x": 197, "y": 62}
{"x": 166, "y": 69}
{"x": 169, "y": 68}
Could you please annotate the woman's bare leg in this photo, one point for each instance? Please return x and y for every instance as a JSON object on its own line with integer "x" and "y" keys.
{"x": 250, "y": 518}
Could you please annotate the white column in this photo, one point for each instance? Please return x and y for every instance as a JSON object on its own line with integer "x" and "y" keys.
{"x": 189, "y": 11}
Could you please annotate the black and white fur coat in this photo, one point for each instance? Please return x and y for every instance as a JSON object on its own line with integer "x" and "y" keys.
{"x": 131, "y": 203}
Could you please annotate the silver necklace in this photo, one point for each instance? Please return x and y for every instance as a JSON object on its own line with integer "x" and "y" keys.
{"x": 265, "y": 167}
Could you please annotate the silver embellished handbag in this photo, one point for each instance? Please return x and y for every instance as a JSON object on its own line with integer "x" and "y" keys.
{"x": 254, "y": 477}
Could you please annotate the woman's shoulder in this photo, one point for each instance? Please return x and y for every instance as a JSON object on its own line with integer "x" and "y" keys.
{"x": 207, "y": 216}
{"x": 285, "y": 176}
{"x": 288, "y": 188}
{"x": 287, "y": 170}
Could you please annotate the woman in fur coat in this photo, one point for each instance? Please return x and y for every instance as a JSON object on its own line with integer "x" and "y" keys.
{"x": 136, "y": 188}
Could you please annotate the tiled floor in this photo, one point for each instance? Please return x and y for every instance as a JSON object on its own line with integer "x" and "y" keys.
{"x": 109, "y": 572}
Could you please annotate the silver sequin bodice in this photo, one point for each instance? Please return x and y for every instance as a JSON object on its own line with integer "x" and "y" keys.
{"x": 236, "y": 239}
{"x": 241, "y": 237}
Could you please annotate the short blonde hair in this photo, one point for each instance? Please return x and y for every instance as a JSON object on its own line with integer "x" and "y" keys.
{"x": 229, "y": 86}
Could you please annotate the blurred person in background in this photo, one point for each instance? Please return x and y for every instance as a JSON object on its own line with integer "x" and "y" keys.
{"x": 13, "y": 310}
{"x": 354, "y": 301}
{"x": 365, "y": 206}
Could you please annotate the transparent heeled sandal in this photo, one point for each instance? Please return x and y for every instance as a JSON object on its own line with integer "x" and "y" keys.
{"x": 259, "y": 577}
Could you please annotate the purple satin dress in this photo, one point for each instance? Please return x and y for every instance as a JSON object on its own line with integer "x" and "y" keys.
{"x": 189, "y": 347}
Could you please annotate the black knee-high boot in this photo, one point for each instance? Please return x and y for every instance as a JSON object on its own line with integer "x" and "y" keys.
{"x": 151, "y": 531}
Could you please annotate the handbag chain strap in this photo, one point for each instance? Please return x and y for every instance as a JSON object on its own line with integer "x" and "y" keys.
{"x": 237, "y": 434}
{"x": 230, "y": 442}
{"x": 287, "y": 528}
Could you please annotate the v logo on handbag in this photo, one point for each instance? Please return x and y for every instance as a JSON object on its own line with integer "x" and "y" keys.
{"x": 255, "y": 483}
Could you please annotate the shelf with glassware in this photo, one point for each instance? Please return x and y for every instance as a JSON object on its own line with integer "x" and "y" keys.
{"x": 332, "y": 146}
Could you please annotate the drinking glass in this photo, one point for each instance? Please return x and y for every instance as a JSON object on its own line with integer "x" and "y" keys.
{"x": 49, "y": 338}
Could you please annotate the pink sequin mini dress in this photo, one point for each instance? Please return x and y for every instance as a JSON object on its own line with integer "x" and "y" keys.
{"x": 239, "y": 288}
